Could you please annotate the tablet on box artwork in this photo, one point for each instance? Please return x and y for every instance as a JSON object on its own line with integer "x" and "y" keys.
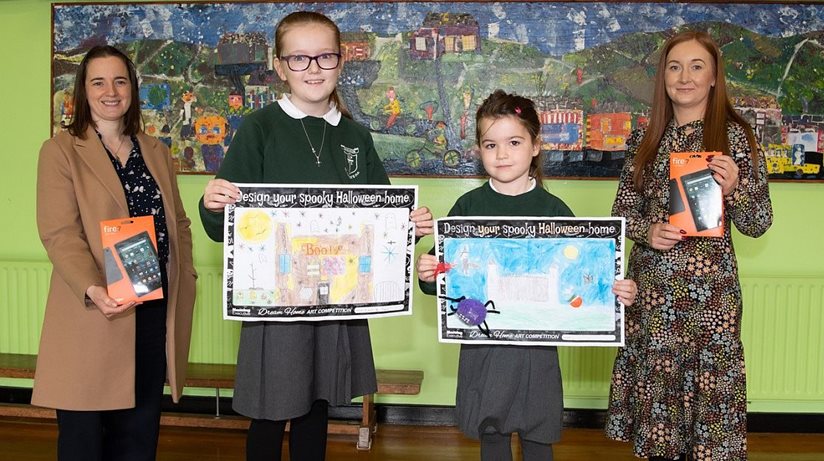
{"x": 696, "y": 200}
{"x": 130, "y": 259}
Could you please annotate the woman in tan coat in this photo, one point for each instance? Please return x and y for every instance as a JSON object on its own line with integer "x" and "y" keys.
{"x": 101, "y": 364}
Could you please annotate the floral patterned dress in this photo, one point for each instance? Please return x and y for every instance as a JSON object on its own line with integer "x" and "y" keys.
{"x": 679, "y": 384}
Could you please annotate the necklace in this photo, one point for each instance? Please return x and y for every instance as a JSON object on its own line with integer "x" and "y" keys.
{"x": 114, "y": 152}
{"x": 322, "y": 140}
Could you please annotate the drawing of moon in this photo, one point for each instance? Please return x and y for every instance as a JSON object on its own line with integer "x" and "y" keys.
{"x": 570, "y": 252}
{"x": 255, "y": 226}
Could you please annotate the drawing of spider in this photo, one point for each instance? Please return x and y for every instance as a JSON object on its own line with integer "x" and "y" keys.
{"x": 472, "y": 312}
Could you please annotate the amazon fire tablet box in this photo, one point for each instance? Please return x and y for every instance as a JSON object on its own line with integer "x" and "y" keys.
{"x": 696, "y": 201}
{"x": 130, "y": 257}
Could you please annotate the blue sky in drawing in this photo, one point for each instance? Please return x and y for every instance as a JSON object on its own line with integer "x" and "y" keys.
{"x": 554, "y": 28}
{"x": 589, "y": 273}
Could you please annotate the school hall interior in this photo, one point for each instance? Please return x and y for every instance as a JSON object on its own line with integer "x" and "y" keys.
{"x": 412, "y": 415}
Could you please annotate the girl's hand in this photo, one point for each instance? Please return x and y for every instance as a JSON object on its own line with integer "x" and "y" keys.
{"x": 663, "y": 236}
{"x": 422, "y": 217}
{"x": 426, "y": 267}
{"x": 626, "y": 291}
{"x": 218, "y": 194}
{"x": 106, "y": 304}
{"x": 725, "y": 172}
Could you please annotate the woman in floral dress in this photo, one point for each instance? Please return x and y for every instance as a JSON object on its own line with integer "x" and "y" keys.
{"x": 678, "y": 387}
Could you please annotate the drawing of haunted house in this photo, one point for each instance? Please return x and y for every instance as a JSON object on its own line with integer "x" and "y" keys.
{"x": 307, "y": 274}
{"x": 534, "y": 288}
{"x": 444, "y": 33}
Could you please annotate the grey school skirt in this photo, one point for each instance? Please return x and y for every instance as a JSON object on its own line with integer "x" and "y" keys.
{"x": 283, "y": 367}
{"x": 506, "y": 389}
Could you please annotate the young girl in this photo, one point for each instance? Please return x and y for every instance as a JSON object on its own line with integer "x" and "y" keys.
{"x": 293, "y": 371}
{"x": 507, "y": 389}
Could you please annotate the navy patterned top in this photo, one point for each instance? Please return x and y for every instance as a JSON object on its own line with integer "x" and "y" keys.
{"x": 143, "y": 195}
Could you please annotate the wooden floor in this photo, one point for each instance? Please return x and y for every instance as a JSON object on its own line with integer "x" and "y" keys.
{"x": 35, "y": 441}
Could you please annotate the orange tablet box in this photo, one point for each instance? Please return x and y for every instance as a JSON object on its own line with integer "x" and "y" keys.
{"x": 696, "y": 200}
{"x": 130, "y": 259}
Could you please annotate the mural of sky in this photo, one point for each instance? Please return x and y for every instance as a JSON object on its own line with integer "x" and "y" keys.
{"x": 554, "y": 28}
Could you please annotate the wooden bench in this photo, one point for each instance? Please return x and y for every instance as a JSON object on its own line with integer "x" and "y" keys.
{"x": 222, "y": 376}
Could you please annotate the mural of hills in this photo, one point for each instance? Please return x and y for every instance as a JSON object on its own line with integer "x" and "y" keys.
{"x": 190, "y": 85}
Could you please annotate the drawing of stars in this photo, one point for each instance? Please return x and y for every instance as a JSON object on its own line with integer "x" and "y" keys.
{"x": 388, "y": 253}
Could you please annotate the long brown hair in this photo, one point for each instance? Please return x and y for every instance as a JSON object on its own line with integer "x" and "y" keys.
{"x": 719, "y": 110}
{"x": 309, "y": 17}
{"x": 82, "y": 118}
{"x": 501, "y": 104}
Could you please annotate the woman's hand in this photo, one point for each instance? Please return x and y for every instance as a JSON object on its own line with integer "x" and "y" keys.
{"x": 664, "y": 236}
{"x": 426, "y": 267}
{"x": 422, "y": 217}
{"x": 106, "y": 304}
{"x": 219, "y": 193}
{"x": 725, "y": 172}
{"x": 626, "y": 291}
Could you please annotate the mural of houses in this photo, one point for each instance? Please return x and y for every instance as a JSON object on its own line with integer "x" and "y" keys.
{"x": 764, "y": 115}
{"x": 608, "y": 131}
{"x": 258, "y": 96}
{"x": 444, "y": 33}
{"x": 562, "y": 129}
{"x": 240, "y": 55}
{"x": 355, "y": 46}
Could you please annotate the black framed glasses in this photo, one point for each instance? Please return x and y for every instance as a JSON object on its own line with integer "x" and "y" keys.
{"x": 301, "y": 62}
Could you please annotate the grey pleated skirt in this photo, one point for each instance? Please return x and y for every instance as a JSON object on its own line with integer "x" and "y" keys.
{"x": 507, "y": 389}
{"x": 283, "y": 367}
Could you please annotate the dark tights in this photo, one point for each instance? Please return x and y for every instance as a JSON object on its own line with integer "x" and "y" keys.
{"x": 496, "y": 447}
{"x": 307, "y": 436}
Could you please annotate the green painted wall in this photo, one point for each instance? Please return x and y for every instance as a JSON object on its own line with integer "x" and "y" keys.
{"x": 791, "y": 251}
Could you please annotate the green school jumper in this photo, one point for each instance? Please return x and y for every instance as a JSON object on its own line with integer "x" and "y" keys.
{"x": 283, "y": 367}
{"x": 505, "y": 389}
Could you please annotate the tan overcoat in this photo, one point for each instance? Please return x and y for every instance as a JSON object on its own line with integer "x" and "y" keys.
{"x": 86, "y": 361}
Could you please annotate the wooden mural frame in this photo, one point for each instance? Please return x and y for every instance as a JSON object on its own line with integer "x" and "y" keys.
{"x": 416, "y": 72}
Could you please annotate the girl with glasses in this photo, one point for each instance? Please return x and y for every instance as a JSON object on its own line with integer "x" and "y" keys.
{"x": 291, "y": 372}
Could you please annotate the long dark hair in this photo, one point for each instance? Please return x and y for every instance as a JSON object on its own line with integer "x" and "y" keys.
{"x": 308, "y": 17}
{"x": 82, "y": 117}
{"x": 501, "y": 104}
{"x": 718, "y": 112}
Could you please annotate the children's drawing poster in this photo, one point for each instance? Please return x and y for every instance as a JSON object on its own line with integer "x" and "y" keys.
{"x": 530, "y": 281}
{"x": 314, "y": 252}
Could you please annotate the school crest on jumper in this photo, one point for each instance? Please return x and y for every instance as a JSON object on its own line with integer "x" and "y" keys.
{"x": 351, "y": 161}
